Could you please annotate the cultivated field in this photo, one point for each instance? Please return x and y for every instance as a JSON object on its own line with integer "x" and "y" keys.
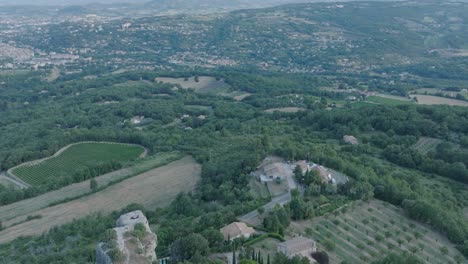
{"x": 205, "y": 84}
{"x": 286, "y": 110}
{"x": 388, "y": 99}
{"x": 29, "y": 206}
{"x": 366, "y": 231}
{"x": 73, "y": 159}
{"x": 436, "y": 100}
{"x": 155, "y": 188}
{"x": 433, "y": 91}
{"x": 426, "y": 144}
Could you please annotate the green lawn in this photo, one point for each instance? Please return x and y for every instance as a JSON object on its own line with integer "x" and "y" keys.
{"x": 75, "y": 159}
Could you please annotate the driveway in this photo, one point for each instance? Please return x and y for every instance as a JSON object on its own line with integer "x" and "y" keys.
{"x": 251, "y": 217}
{"x": 16, "y": 182}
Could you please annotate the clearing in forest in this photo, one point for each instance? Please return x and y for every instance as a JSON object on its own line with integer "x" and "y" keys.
{"x": 201, "y": 84}
{"x": 388, "y": 99}
{"x": 286, "y": 110}
{"x": 365, "y": 231}
{"x": 54, "y": 75}
{"x": 436, "y": 100}
{"x": 75, "y": 159}
{"x": 426, "y": 144}
{"x": 152, "y": 189}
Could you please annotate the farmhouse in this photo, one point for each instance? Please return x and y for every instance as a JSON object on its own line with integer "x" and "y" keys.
{"x": 350, "y": 140}
{"x": 298, "y": 246}
{"x": 237, "y": 230}
{"x": 275, "y": 170}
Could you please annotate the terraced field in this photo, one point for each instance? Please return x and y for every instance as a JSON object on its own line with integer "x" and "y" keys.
{"x": 366, "y": 231}
{"x": 74, "y": 159}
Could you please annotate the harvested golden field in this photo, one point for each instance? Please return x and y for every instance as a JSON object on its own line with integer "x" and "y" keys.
{"x": 436, "y": 100}
{"x": 152, "y": 189}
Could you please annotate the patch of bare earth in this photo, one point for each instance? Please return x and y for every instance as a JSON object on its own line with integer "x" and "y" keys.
{"x": 436, "y": 100}
{"x": 54, "y": 75}
{"x": 241, "y": 97}
{"x": 152, "y": 189}
{"x": 201, "y": 84}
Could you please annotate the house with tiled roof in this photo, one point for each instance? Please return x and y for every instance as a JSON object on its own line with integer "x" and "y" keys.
{"x": 237, "y": 230}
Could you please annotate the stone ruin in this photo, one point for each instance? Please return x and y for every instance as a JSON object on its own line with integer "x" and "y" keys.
{"x": 127, "y": 244}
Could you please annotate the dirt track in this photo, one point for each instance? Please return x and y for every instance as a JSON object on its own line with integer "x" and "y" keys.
{"x": 155, "y": 188}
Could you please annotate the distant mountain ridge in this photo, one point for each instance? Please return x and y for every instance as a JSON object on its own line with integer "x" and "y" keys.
{"x": 177, "y": 4}
{"x": 65, "y": 2}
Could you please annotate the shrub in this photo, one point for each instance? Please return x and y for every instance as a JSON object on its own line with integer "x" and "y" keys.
{"x": 329, "y": 244}
{"x": 115, "y": 254}
{"x": 109, "y": 235}
{"x": 139, "y": 231}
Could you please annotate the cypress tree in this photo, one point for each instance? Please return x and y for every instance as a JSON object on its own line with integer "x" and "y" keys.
{"x": 268, "y": 259}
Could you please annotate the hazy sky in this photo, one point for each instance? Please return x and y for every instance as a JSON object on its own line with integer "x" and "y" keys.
{"x": 65, "y": 2}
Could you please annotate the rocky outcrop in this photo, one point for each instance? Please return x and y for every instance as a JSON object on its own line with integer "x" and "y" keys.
{"x": 132, "y": 241}
{"x": 101, "y": 254}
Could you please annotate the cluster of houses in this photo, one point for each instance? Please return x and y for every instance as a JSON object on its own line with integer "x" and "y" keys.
{"x": 277, "y": 169}
{"x": 281, "y": 170}
{"x": 296, "y": 246}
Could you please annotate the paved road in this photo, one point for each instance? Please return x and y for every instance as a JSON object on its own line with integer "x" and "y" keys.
{"x": 18, "y": 183}
{"x": 281, "y": 200}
